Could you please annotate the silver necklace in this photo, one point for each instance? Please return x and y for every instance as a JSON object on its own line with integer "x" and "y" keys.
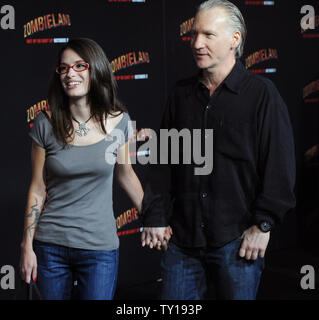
{"x": 83, "y": 129}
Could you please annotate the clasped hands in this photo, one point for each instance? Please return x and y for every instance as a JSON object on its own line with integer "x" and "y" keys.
{"x": 156, "y": 237}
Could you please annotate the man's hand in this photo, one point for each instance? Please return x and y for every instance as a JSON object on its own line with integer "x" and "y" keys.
{"x": 254, "y": 243}
{"x": 156, "y": 237}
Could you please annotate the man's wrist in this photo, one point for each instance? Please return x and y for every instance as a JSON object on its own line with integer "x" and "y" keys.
{"x": 264, "y": 226}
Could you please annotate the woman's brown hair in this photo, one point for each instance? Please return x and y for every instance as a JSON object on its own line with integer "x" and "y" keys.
{"x": 102, "y": 90}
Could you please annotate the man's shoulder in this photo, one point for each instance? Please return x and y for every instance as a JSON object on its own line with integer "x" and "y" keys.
{"x": 260, "y": 81}
{"x": 265, "y": 88}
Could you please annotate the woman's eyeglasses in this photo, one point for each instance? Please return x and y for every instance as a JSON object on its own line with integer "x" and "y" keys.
{"x": 78, "y": 67}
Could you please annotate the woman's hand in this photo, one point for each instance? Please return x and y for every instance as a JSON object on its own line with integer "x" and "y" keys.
{"x": 28, "y": 264}
{"x": 156, "y": 237}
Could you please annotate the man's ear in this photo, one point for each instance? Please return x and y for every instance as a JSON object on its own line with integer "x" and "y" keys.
{"x": 236, "y": 39}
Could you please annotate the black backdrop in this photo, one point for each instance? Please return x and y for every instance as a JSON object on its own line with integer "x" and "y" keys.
{"x": 157, "y": 29}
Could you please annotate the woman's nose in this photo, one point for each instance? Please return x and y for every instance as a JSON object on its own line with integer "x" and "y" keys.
{"x": 70, "y": 72}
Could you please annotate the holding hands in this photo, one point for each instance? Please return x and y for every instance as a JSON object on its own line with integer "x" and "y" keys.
{"x": 156, "y": 237}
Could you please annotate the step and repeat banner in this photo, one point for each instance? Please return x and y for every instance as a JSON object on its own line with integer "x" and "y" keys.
{"x": 148, "y": 45}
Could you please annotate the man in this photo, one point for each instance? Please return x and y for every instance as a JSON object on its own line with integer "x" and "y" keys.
{"x": 221, "y": 222}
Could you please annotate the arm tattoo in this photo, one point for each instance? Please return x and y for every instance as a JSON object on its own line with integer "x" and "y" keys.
{"x": 36, "y": 213}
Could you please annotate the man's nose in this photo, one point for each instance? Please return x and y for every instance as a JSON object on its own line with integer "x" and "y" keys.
{"x": 197, "y": 42}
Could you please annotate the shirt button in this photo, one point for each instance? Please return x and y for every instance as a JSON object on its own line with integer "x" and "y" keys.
{"x": 204, "y": 195}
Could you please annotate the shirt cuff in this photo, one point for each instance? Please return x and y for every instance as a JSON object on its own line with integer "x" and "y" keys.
{"x": 258, "y": 218}
{"x": 155, "y": 209}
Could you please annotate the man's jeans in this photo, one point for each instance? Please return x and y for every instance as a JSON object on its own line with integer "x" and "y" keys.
{"x": 188, "y": 273}
{"x": 95, "y": 272}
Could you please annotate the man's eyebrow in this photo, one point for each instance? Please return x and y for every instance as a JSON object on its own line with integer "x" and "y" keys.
{"x": 202, "y": 31}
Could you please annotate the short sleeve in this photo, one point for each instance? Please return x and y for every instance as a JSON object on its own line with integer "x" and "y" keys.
{"x": 128, "y": 128}
{"x": 123, "y": 132}
{"x": 38, "y": 130}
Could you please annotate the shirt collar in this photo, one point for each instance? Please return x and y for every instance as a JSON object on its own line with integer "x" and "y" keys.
{"x": 233, "y": 81}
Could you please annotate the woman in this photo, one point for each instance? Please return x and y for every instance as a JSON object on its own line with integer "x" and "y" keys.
{"x": 70, "y": 231}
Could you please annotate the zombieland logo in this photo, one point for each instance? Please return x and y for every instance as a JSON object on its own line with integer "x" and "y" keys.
{"x": 129, "y": 60}
{"x": 34, "y": 110}
{"x": 44, "y": 23}
{"x": 126, "y": 218}
{"x": 261, "y": 56}
{"x": 184, "y": 28}
{"x": 310, "y": 90}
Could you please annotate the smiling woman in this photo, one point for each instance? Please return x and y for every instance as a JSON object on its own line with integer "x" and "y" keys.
{"x": 83, "y": 77}
{"x": 71, "y": 176}
{"x": 74, "y": 76}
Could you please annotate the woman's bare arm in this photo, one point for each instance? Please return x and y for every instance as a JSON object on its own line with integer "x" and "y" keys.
{"x": 127, "y": 178}
{"x": 35, "y": 201}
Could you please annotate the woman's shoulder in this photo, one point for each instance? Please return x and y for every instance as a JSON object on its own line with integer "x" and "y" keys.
{"x": 43, "y": 115}
{"x": 119, "y": 117}
{"x": 116, "y": 114}
{"x": 41, "y": 129}
{"x": 126, "y": 125}
{"x": 126, "y": 116}
{"x": 125, "y": 120}
{"x": 42, "y": 121}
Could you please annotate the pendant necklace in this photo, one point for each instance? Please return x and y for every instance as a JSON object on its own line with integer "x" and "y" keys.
{"x": 83, "y": 129}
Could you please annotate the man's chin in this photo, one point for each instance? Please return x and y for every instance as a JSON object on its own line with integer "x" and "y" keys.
{"x": 204, "y": 67}
{"x": 200, "y": 65}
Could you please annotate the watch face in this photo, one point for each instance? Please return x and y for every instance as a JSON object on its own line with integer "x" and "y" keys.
{"x": 265, "y": 226}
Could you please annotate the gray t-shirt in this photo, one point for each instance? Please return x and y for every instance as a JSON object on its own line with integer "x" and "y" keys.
{"x": 78, "y": 211}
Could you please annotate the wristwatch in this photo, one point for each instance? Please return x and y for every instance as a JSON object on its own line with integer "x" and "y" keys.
{"x": 264, "y": 226}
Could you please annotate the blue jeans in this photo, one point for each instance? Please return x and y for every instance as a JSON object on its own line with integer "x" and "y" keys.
{"x": 94, "y": 272}
{"x": 188, "y": 274}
